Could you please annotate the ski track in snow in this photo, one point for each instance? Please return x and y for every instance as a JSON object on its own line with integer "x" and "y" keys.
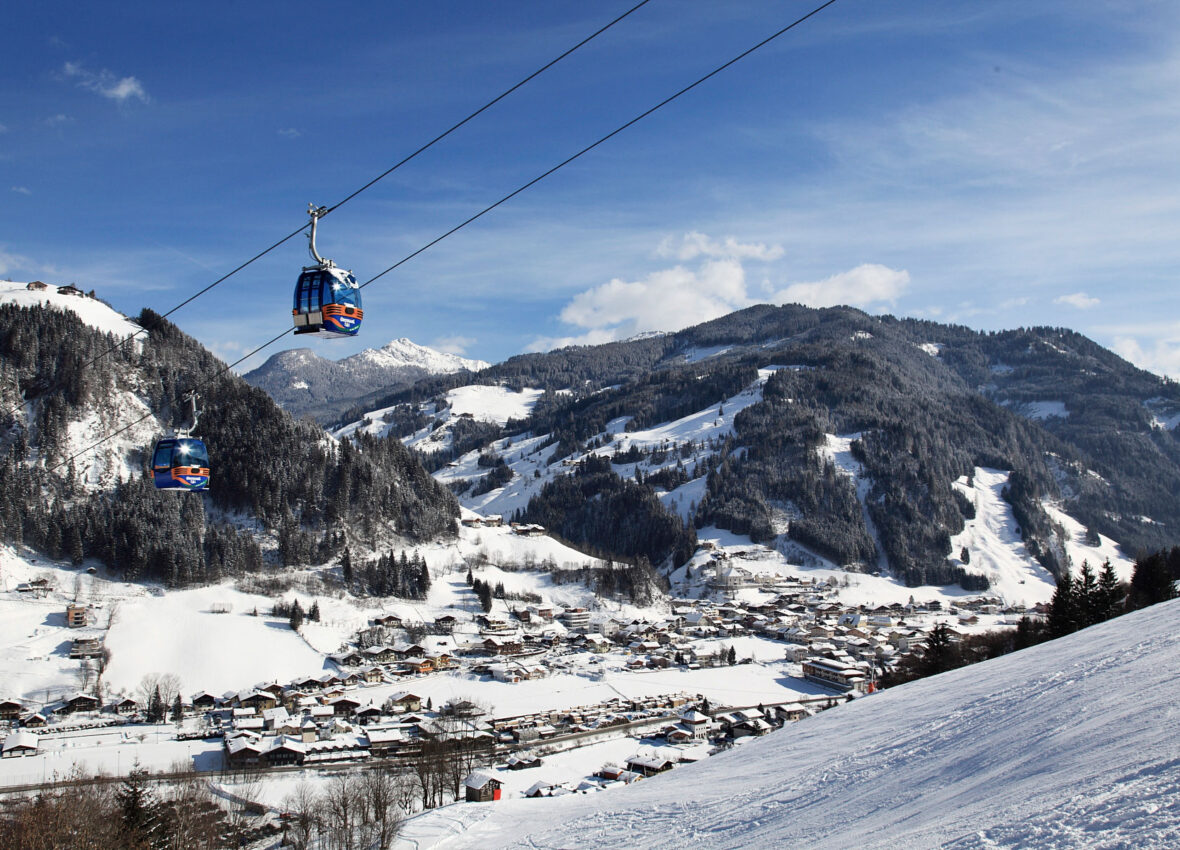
{"x": 1069, "y": 744}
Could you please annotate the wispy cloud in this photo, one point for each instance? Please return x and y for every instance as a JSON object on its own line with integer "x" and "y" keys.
{"x": 10, "y": 262}
{"x": 694, "y": 244}
{"x": 453, "y": 344}
{"x": 1077, "y": 299}
{"x": 1161, "y": 356}
{"x": 22, "y": 190}
{"x": 290, "y": 133}
{"x": 106, "y": 83}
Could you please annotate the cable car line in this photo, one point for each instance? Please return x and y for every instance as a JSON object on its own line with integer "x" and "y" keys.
{"x": 371, "y": 183}
{"x": 605, "y": 138}
{"x": 150, "y": 414}
{"x": 498, "y": 203}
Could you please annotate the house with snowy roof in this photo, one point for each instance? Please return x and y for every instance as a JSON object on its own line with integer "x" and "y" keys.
{"x": 20, "y": 744}
{"x": 482, "y": 787}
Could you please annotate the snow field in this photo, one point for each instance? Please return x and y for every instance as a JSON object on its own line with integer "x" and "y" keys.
{"x": 94, "y": 313}
{"x": 1065, "y": 745}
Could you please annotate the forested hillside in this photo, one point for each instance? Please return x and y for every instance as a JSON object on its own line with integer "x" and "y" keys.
{"x": 312, "y": 495}
{"x": 923, "y": 405}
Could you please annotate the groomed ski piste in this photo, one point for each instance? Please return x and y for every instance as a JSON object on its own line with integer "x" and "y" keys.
{"x": 1070, "y": 744}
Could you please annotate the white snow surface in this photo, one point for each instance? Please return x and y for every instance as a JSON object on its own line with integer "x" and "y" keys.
{"x": 1164, "y": 414}
{"x": 1069, "y": 744}
{"x": 92, "y": 312}
{"x": 1080, "y": 552}
{"x": 934, "y": 349}
{"x": 492, "y": 404}
{"x": 994, "y": 546}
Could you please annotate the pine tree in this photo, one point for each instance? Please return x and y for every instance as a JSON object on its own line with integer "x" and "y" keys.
{"x": 156, "y": 707}
{"x": 74, "y": 545}
{"x": 313, "y": 613}
{"x": 470, "y": 577}
{"x": 138, "y": 807}
{"x": 177, "y": 710}
{"x": 1152, "y": 580}
{"x": 1063, "y": 619}
{"x": 346, "y": 567}
{"x": 296, "y": 617}
{"x": 1086, "y": 595}
{"x": 938, "y": 653}
{"x": 1110, "y": 592}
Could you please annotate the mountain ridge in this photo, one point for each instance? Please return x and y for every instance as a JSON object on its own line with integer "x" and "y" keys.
{"x": 918, "y": 406}
{"x": 303, "y": 382}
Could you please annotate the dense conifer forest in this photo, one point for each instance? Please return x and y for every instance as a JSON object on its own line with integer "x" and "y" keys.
{"x": 312, "y": 493}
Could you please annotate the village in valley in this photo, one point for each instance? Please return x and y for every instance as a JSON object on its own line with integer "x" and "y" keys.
{"x": 549, "y": 676}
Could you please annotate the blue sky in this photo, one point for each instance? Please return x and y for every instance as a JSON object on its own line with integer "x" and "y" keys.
{"x": 996, "y": 164}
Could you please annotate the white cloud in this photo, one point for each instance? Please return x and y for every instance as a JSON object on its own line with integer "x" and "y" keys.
{"x": 664, "y": 300}
{"x": 21, "y": 190}
{"x": 290, "y": 133}
{"x": 1077, "y": 299}
{"x": 1161, "y": 356}
{"x": 684, "y": 295}
{"x": 867, "y": 285}
{"x": 10, "y": 262}
{"x": 105, "y": 83}
{"x": 693, "y": 245}
{"x": 453, "y": 344}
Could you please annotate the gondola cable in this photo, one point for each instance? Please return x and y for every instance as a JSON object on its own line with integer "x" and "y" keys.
{"x": 422, "y": 149}
{"x": 493, "y": 206}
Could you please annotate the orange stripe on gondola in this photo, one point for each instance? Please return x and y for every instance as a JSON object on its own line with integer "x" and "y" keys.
{"x": 342, "y": 310}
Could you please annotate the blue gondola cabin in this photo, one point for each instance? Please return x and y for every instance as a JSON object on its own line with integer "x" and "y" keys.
{"x": 181, "y": 463}
{"x": 327, "y": 303}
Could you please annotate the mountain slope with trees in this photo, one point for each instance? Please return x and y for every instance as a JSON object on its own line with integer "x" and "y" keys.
{"x": 923, "y": 404}
{"x": 270, "y": 472}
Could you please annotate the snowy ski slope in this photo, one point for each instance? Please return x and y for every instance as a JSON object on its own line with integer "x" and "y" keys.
{"x": 1069, "y": 744}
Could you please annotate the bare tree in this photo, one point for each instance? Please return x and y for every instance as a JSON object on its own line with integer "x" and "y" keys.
{"x": 303, "y": 806}
{"x": 383, "y": 793}
{"x": 191, "y": 819}
{"x": 341, "y": 813}
{"x": 168, "y": 683}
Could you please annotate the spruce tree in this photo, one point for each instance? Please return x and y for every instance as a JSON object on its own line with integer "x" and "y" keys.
{"x": 296, "y": 617}
{"x": 1063, "y": 618}
{"x": 138, "y": 807}
{"x": 156, "y": 707}
{"x": 1086, "y": 594}
{"x": 938, "y": 654}
{"x": 1110, "y": 592}
{"x": 313, "y": 613}
{"x": 177, "y": 710}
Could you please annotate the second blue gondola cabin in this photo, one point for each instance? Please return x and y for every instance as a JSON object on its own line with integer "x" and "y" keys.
{"x": 180, "y": 463}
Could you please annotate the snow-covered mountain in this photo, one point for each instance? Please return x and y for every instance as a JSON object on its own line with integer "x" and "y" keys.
{"x": 303, "y": 382}
{"x": 1069, "y": 744}
{"x": 830, "y": 438}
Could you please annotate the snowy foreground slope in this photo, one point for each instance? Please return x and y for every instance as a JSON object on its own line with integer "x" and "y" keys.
{"x": 1069, "y": 744}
